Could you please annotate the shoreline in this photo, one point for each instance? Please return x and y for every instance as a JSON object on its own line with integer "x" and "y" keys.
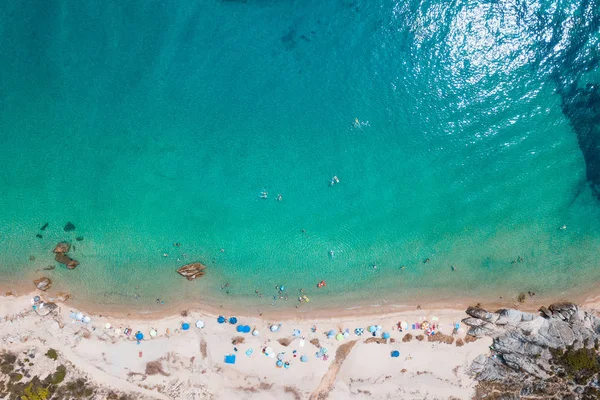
{"x": 461, "y": 303}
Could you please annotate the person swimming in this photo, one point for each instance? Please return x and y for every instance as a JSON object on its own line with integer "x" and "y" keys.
{"x": 279, "y": 198}
{"x": 264, "y": 195}
{"x": 331, "y": 253}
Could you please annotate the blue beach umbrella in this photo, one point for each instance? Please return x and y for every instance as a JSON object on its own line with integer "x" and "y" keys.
{"x": 385, "y": 335}
{"x": 240, "y": 328}
{"x": 247, "y": 329}
{"x": 395, "y": 353}
{"x": 185, "y": 326}
{"x": 372, "y": 328}
{"x": 331, "y": 333}
{"x": 221, "y": 319}
{"x": 279, "y": 363}
{"x": 233, "y": 320}
{"x": 139, "y": 335}
{"x": 303, "y": 359}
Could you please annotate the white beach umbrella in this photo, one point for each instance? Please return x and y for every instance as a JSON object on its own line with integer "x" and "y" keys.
{"x": 153, "y": 333}
{"x": 255, "y": 333}
{"x": 86, "y": 320}
{"x": 108, "y": 325}
{"x": 274, "y": 328}
{"x": 79, "y": 316}
{"x": 269, "y": 351}
{"x": 199, "y": 324}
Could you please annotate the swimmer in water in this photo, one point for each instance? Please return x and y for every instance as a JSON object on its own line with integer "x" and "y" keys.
{"x": 279, "y": 197}
{"x": 331, "y": 253}
{"x": 374, "y": 266}
{"x": 264, "y": 195}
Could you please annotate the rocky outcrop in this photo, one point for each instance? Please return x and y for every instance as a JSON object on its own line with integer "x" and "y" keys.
{"x": 43, "y": 283}
{"x": 526, "y": 346}
{"x": 66, "y": 260}
{"x": 69, "y": 227}
{"x": 61, "y": 257}
{"x": 62, "y": 247}
{"x": 192, "y": 271}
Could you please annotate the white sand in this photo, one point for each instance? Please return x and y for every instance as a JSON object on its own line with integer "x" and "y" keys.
{"x": 423, "y": 370}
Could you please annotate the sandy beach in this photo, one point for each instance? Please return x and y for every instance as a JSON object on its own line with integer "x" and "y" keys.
{"x": 190, "y": 364}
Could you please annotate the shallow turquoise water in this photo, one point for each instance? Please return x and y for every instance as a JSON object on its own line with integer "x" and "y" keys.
{"x": 150, "y": 124}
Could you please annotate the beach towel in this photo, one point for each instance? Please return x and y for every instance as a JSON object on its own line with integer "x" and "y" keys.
{"x": 230, "y": 359}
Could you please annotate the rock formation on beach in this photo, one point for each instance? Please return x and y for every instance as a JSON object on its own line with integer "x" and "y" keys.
{"x": 192, "y": 271}
{"x": 43, "y": 283}
{"x": 548, "y": 355}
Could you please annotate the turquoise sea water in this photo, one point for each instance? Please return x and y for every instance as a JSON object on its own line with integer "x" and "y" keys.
{"x": 149, "y": 123}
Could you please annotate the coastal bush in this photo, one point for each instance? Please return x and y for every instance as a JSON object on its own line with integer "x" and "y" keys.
{"x": 7, "y": 363}
{"x": 407, "y": 338}
{"x": 59, "y": 375}
{"x": 32, "y": 392}
{"x": 521, "y": 298}
{"x": 459, "y": 342}
{"x": 579, "y": 365}
{"x": 420, "y": 337}
{"x": 51, "y": 354}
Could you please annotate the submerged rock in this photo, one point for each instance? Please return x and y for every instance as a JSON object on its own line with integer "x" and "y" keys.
{"x": 43, "y": 228}
{"x": 66, "y": 260}
{"x": 49, "y": 268}
{"x": 192, "y": 271}
{"x": 79, "y": 238}
{"x": 38, "y": 236}
{"x": 62, "y": 247}
{"x": 69, "y": 227}
{"x": 43, "y": 283}
{"x": 62, "y": 296}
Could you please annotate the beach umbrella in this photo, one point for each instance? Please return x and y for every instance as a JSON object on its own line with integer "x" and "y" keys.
{"x": 339, "y": 336}
{"x": 73, "y": 315}
{"x": 324, "y": 350}
{"x": 255, "y": 333}
{"x": 331, "y": 333}
{"x": 403, "y": 324}
{"x": 37, "y": 299}
{"x": 247, "y": 329}
{"x": 286, "y": 364}
{"x": 279, "y": 363}
{"x": 303, "y": 359}
{"x": 372, "y": 328}
{"x": 221, "y": 319}
{"x": 107, "y": 325}
{"x": 86, "y": 320}
{"x": 301, "y": 343}
{"x": 385, "y": 335}
{"x": 233, "y": 320}
{"x": 139, "y": 335}
{"x": 185, "y": 326}
{"x": 296, "y": 333}
{"x": 274, "y": 328}
{"x": 269, "y": 351}
{"x": 346, "y": 335}
{"x": 239, "y": 328}
{"x": 280, "y": 356}
{"x": 379, "y": 327}
{"x": 153, "y": 333}
{"x": 395, "y": 353}
{"x": 199, "y": 324}
{"x": 79, "y": 316}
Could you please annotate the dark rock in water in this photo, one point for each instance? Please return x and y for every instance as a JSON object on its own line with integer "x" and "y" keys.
{"x": 62, "y": 247}
{"x": 38, "y": 236}
{"x": 43, "y": 283}
{"x": 192, "y": 271}
{"x": 66, "y": 260}
{"x": 31, "y": 258}
{"x": 49, "y": 268}
{"x": 79, "y": 238}
{"x": 69, "y": 227}
{"x": 43, "y": 228}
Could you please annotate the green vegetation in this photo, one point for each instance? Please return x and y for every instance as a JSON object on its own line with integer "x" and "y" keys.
{"x": 51, "y": 353}
{"x": 32, "y": 392}
{"x": 580, "y": 365}
{"x": 59, "y": 376}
